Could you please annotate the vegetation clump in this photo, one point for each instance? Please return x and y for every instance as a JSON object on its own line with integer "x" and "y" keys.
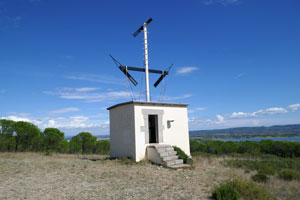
{"x": 289, "y": 174}
{"x": 240, "y": 189}
{"x": 260, "y": 177}
{"x": 226, "y": 191}
{"x": 181, "y": 154}
{"x": 268, "y": 165}
{"x": 277, "y": 148}
{"x": 24, "y": 137}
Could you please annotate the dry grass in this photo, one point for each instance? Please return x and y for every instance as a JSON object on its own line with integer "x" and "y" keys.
{"x": 35, "y": 176}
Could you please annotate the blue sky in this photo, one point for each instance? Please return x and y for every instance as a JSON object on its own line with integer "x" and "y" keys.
{"x": 236, "y": 62}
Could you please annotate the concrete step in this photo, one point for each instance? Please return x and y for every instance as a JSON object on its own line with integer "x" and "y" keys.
{"x": 172, "y": 153}
{"x": 159, "y": 150}
{"x": 163, "y": 154}
{"x": 170, "y": 163}
{"x": 169, "y": 149}
{"x": 174, "y": 162}
{"x": 162, "y": 145}
{"x": 167, "y": 153}
{"x": 164, "y": 148}
{"x": 168, "y": 158}
{"x": 178, "y": 161}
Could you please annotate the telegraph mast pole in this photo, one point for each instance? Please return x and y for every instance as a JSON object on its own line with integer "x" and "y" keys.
{"x": 125, "y": 68}
{"x": 146, "y": 63}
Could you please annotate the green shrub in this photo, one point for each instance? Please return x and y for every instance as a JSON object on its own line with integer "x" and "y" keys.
{"x": 260, "y": 177}
{"x": 181, "y": 154}
{"x": 226, "y": 191}
{"x": 196, "y": 146}
{"x": 235, "y": 189}
{"x": 102, "y": 147}
{"x": 289, "y": 174}
{"x": 48, "y": 153}
{"x": 267, "y": 169}
{"x": 268, "y": 166}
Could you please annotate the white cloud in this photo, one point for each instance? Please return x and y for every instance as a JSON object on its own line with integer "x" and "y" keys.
{"x": 65, "y": 110}
{"x": 185, "y": 70}
{"x": 268, "y": 111}
{"x": 70, "y": 125}
{"x": 107, "y": 79}
{"x": 294, "y": 107}
{"x": 237, "y": 119}
{"x": 239, "y": 114}
{"x": 220, "y": 118}
{"x": 74, "y": 122}
{"x": 25, "y": 119}
{"x": 87, "y": 95}
{"x": 85, "y": 89}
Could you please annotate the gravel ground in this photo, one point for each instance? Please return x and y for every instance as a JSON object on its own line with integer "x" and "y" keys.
{"x": 36, "y": 176}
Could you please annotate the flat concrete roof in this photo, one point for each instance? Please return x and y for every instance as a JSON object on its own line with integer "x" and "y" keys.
{"x": 149, "y": 104}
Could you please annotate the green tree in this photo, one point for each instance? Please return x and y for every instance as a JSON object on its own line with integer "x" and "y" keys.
{"x": 249, "y": 147}
{"x": 7, "y": 140}
{"x": 7, "y": 143}
{"x": 53, "y": 139}
{"x": 102, "y": 147}
{"x": 230, "y": 147}
{"x": 75, "y": 145}
{"x": 88, "y": 142}
{"x": 196, "y": 146}
{"x": 7, "y": 127}
{"x": 26, "y": 135}
{"x": 215, "y": 147}
{"x": 64, "y": 146}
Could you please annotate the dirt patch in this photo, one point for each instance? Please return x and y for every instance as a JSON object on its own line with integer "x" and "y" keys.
{"x": 61, "y": 176}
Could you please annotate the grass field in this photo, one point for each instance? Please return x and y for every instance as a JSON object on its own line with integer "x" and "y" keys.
{"x": 61, "y": 176}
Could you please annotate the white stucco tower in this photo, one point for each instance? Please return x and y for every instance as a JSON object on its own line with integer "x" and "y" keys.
{"x": 136, "y": 125}
{"x": 148, "y": 129}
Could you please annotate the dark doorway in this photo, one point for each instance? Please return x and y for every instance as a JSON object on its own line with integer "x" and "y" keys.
{"x": 153, "y": 129}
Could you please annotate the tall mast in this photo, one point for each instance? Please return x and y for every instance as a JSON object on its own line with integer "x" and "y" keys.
{"x": 125, "y": 68}
{"x": 146, "y": 63}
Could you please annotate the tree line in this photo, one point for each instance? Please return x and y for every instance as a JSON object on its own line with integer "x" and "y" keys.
{"x": 278, "y": 148}
{"x": 24, "y": 136}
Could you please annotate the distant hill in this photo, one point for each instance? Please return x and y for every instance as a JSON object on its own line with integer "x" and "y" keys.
{"x": 278, "y": 130}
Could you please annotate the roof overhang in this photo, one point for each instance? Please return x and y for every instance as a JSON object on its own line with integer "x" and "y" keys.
{"x": 144, "y": 103}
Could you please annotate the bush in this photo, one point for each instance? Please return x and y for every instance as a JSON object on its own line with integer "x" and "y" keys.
{"x": 181, "y": 154}
{"x": 267, "y": 169}
{"x": 226, "y": 191}
{"x": 268, "y": 166}
{"x": 289, "y": 174}
{"x": 196, "y": 146}
{"x": 260, "y": 177}
{"x": 235, "y": 189}
{"x": 277, "y": 148}
{"x": 102, "y": 147}
{"x": 48, "y": 153}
